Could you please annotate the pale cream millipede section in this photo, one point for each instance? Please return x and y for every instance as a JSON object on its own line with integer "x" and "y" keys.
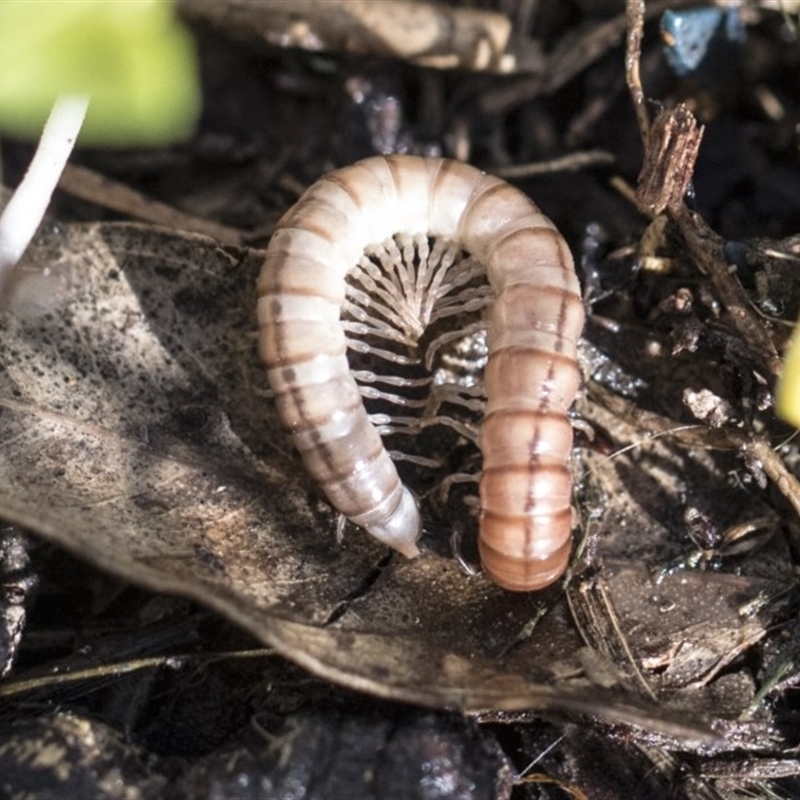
{"x": 531, "y": 378}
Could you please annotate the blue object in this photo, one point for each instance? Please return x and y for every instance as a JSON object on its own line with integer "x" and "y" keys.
{"x": 688, "y": 34}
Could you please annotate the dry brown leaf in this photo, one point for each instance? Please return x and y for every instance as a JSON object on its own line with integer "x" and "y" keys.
{"x": 424, "y": 33}
{"x": 135, "y": 433}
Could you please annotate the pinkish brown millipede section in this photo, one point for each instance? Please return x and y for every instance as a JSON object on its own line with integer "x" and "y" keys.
{"x": 531, "y": 376}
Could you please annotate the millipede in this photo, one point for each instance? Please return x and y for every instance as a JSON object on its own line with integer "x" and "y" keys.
{"x": 310, "y": 314}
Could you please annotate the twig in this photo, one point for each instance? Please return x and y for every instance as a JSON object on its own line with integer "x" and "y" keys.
{"x": 571, "y": 56}
{"x": 775, "y": 470}
{"x": 671, "y": 147}
{"x": 705, "y": 248}
{"x": 568, "y": 163}
{"x": 634, "y": 15}
{"x": 90, "y": 185}
{"x": 756, "y": 448}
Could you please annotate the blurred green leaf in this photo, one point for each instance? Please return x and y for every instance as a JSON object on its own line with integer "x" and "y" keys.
{"x": 132, "y": 57}
{"x": 787, "y": 401}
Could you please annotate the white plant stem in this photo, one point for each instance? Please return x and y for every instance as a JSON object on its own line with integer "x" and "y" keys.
{"x": 25, "y": 210}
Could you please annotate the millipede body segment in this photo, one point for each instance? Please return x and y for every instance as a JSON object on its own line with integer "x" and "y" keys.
{"x": 531, "y": 378}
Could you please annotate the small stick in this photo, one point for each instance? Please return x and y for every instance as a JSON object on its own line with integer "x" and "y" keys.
{"x": 569, "y": 163}
{"x": 90, "y": 185}
{"x": 634, "y": 15}
{"x": 706, "y": 250}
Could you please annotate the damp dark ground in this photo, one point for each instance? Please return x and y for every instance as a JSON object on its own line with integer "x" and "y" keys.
{"x": 118, "y": 692}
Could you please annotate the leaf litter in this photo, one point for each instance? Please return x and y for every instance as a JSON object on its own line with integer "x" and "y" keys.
{"x": 137, "y": 434}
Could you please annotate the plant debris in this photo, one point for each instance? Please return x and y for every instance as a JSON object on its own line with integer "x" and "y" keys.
{"x": 138, "y": 437}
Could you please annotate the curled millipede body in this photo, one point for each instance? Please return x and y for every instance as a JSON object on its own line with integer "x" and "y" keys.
{"x": 533, "y": 323}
